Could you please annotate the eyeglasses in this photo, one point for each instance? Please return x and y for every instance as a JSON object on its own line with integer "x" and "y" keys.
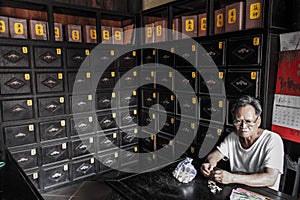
{"x": 239, "y": 122}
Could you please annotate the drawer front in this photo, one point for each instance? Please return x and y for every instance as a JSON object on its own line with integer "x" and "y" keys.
{"x": 108, "y": 161}
{"x": 83, "y": 168}
{"x": 166, "y": 57}
{"x": 128, "y": 98}
{"x": 128, "y": 136}
{"x": 149, "y": 98}
{"x": 212, "y": 109}
{"x": 50, "y": 82}
{"x": 245, "y": 51}
{"x": 81, "y": 103}
{"x": 83, "y": 147}
{"x": 167, "y": 101}
{"x": 128, "y": 79}
{"x": 54, "y": 153}
{"x": 167, "y": 125}
{"x": 82, "y": 125}
{"x": 75, "y": 57}
{"x": 14, "y": 56}
{"x": 129, "y": 155}
{"x": 147, "y": 77}
{"x": 52, "y": 106}
{"x": 242, "y": 83}
{"x": 211, "y": 82}
{"x": 81, "y": 81}
{"x": 48, "y": 57}
{"x": 106, "y": 101}
{"x": 164, "y": 80}
{"x": 187, "y": 129}
{"x": 188, "y": 105}
{"x": 128, "y": 60}
{"x": 216, "y": 50}
{"x": 165, "y": 141}
{"x": 149, "y": 55}
{"x": 186, "y": 81}
{"x": 186, "y": 55}
{"x": 34, "y": 177}
{"x": 17, "y": 83}
{"x": 108, "y": 140}
{"x": 107, "y": 121}
{"x": 17, "y": 109}
{"x": 105, "y": 59}
{"x": 52, "y": 130}
{"x": 19, "y": 135}
{"x": 148, "y": 119}
{"x": 26, "y": 159}
{"x": 55, "y": 175}
{"x": 229, "y": 117}
{"x": 128, "y": 117}
{"x": 148, "y": 143}
{"x": 107, "y": 80}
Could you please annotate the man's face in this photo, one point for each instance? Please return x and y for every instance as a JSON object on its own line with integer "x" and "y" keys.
{"x": 246, "y": 122}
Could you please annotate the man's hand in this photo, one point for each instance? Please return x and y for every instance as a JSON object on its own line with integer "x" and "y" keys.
{"x": 222, "y": 176}
{"x": 206, "y": 169}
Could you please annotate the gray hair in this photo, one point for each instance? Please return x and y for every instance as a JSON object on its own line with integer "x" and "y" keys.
{"x": 247, "y": 100}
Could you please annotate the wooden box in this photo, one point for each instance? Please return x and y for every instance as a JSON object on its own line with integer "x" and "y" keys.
{"x": 235, "y": 17}
{"x": 128, "y": 34}
{"x": 38, "y": 30}
{"x": 176, "y": 29}
{"x": 161, "y": 34}
{"x": 253, "y": 14}
{"x": 189, "y": 26}
{"x": 74, "y": 33}
{"x": 117, "y": 35}
{"x": 149, "y": 33}
{"x": 18, "y": 28}
{"x": 106, "y": 34}
{"x": 219, "y": 26}
{"x": 4, "y": 31}
{"x": 202, "y": 24}
{"x": 90, "y": 34}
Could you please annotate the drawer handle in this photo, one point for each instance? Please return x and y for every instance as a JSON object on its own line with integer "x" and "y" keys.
{"x": 79, "y": 81}
{"x": 83, "y": 168}
{"x": 185, "y": 81}
{"x": 211, "y": 82}
{"x": 107, "y": 141}
{"x": 105, "y": 79}
{"x": 81, "y": 103}
{"x": 54, "y": 130}
{"x": 186, "y": 55}
{"x": 185, "y": 129}
{"x": 127, "y": 118}
{"x": 22, "y": 160}
{"x": 107, "y": 121}
{"x": 148, "y": 58}
{"x": 129, "y": 155}
{"x": 82, "y": 147}
{"x": 48, "y": 58}
{"x": 17, "y": 109}
{"x": 109, "y": 162}
{"x": 104, "y": 58}
{"x": 129, "y": 137}
{"x": 129, "y": 99}
{"x": 52, "y": 107}
{"x": 54, "y": 153}
{"x": 241, "y": 82}
{"x": 106, "y": 101}
{"x": 78, "y": 59}
{"x": 166, "y": 102}
{"x": 211, "y": 54}
{"x": 82, "y": 125}
{"x": 20, "y": 135}
{"x": 56, "y": 175}
{"x": 13, "y": 56}
{"x": 127, "y": 58}
{"x": 128, "y": 79}
{"x": 211, "y": 109}
{"x": 186, "y": 105}
{"x": 243, "y": 51}
{"x": 166, "y": 57}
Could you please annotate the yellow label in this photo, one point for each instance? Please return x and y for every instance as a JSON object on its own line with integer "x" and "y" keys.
{"x": 75, "y": 35}
{"x": 154, "y": 95}
{"x": 203, "y": 24}
{"x": 153, "y": 156}
{"x": 253, "y": 75}
{"x": 113, "y": 95}
{"x": 93, "y": 34}
{"x": 135, "y": 112}
{"x": 152, "y": 137}
{"x": 92, "y": 161}
{"x": 154, "y": 52}
{"x": 193, "y": 47}
{"x": 64, "y": 145}
{"x": 170, "y": 74}
{"x": 29, "y": 102}
{"x": 90, "y": 119}
{"x": 172, "y": 50}
{"x": 18, "y": 28}
{"x": 87, "y": 52}
{"x": 60, "y": 76}
{"x": 61, "y": 99}
{"x": 33, "y": 152}
{"x": 173, "y": 28}
{"x": 194, "y": 100}
{"x": 172, "y": 97}
{"x": 35, "y": 175}
{"x": 134, "y": 93}
{"x": 135, "y": 131}
{"x": 134, "y": 73}
{"x": 152, "y": 73}
{"x": 193, "y": 125}
{"x": 39, "y": 29}
{"x": 221, "y": 75}
{"x": 113, "y": 74}
{"x": 66, "y": 168}
{"x": 112, "y": 52}
{"x": 88, "y": 75}
{"x": 91, "y": 140}
{"x": 193, "y": 74}
{"x": 255, "y": 10}
{"x": 114, "y": 115}
{"x": 231, "y": 16}
{"x": 149, "y": 32}
{"x": 58, "y": 51}
{"x": 63, "y": 123}
{"x": 116, "y": 154}
{"x": 56, "y": 32}
{"x": 27, "y": 77}
{"x": 133, "y": 53}
{"x": 158, "y": 30}
{"x": 25, "y": 50}
{"x": 2, "y": 26}
{"x": 135, "y": 149}
{"x": 31, "y": 127}
{"x": 90, "y": 97}
{"x": 172, "y": 120}
{"x": 219, "y": 132}
{"x": 189, "y": 25}
{"x": 220, "y": 20}
{"x": 220, "y": 45}
{"x": 256, "y": 41}
{"x": 105, "y": 35}
{"x": 153, "y": 116}
{"x": 192, "y": 150}
{"x": 220, "y": 104}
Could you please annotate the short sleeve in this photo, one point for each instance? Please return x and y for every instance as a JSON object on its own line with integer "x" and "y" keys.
{"x": 224, "y": 146}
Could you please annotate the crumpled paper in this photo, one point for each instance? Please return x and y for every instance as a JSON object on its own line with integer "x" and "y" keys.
{"x": 185, "y": 171}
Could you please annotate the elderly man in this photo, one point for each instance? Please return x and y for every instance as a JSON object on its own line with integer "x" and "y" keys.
{"x": 255, "y": 155}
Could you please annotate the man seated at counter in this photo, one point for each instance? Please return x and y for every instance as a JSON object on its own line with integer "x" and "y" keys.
{"x": 256, "y": 155}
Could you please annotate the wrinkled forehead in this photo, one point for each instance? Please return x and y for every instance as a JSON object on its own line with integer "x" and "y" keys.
{"x": 244, "y": 111}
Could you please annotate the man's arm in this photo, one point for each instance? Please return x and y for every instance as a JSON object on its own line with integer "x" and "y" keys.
{"x": 267, "y": 178}
{"x": 212, "y": 159}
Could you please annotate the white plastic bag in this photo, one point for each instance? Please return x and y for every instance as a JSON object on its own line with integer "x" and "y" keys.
{"x": 185, "y": 171}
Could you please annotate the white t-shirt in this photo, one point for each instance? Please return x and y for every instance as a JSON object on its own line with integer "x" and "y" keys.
{"x": 267, "y": 151}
